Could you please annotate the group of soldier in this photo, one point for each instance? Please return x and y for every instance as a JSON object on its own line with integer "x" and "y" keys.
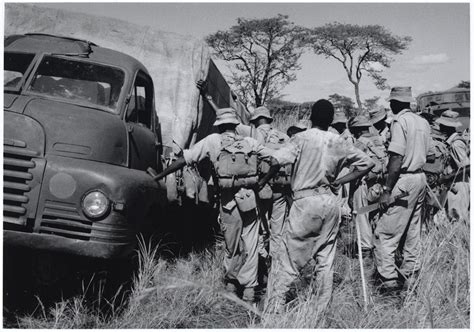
{"x": 297, "y": 189}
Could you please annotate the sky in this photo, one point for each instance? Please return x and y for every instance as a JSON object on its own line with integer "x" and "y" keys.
{"x": 436, "y": 60}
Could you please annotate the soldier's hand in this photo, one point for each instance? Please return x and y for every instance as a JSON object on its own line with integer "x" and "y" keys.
{"x": 202, "y": 86}
{"x": 384, "y": 200}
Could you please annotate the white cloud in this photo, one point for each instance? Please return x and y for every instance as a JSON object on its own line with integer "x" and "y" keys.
{"x": 430, "y": 59}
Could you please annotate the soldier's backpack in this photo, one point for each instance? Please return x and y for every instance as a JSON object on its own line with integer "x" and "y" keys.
{"x": 236, "y": 165}
{"x": 437, "y": 163}
{"x": 276, "y": 140}
{"x": 375, "y": 150}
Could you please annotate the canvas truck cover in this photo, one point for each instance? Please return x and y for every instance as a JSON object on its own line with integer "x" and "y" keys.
{"x": 175, "y": 62}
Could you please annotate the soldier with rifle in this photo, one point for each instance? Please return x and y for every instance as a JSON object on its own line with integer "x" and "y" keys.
{"x": 456, "y": 174}
{"x": 400, "y": 223}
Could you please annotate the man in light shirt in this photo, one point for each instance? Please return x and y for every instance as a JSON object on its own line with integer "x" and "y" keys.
{"x": 310, "y": 232}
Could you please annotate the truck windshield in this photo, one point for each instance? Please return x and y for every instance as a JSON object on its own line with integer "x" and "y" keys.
{"x": 15, "y": 66}
{"x": 78, "y": 81}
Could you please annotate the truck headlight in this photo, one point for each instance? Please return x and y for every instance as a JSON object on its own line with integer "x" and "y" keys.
{"x": 95, "y": 204}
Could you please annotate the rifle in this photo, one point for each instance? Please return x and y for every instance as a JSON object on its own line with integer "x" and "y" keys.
{"x": 375, "y": 206}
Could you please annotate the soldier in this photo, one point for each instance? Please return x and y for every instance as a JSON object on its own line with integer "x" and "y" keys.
{"x": 274, "y": 198}
{"x": 339, "y": 126}
{"x": 235, "y": 166}
{"x": 378, "y": 118}
{"x": 368, "y": 188}
{"x": 297, "y": 128}
{"x": 436, "y": 165}
{"x": 408, "y": 148}
{"x": 313, "y": 222}
{"x": 457, "y": 173}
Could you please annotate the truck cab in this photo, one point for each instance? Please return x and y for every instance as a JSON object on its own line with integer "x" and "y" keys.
{"x": 80, "y": 131}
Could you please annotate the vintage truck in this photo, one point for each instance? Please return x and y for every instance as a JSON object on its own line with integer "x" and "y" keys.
{"x": 80, "y": 131}
{"x": 82, "y": 123}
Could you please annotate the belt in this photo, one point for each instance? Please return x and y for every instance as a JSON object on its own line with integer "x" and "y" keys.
{"x": 405, "y": 171}
{"x": 311, "y": 192}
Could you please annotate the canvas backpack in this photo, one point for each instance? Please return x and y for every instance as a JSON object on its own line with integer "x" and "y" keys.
{"x": 275, "y": 140}
{"x": 375, "y": 150}
{"x": 236, "y": 165}
{"x": 441, "y": 156}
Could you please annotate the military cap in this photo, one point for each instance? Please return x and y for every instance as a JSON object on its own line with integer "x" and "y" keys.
{"x": 226, "y": 115}
{"x": 377, "y": 114}
{"x": 401, "y": 93}
{"x": 261, "y": 111}
{"x": 359, "y": 121}
{"x": 448, "y": 119}
{"x": 339, "y": 117}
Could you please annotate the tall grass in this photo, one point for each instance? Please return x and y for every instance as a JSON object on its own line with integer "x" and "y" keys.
{"x": 188, "y": 293}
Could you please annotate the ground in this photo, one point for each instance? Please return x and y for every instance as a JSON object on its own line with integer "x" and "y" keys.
{"x": 187, "y": 292}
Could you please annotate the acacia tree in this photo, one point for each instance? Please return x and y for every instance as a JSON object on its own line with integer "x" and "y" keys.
{"x": 359, "y": 49}
{"x": 263, "y": 55}
{"x": 346, "y": 104}
{"x": 371, "y": 103}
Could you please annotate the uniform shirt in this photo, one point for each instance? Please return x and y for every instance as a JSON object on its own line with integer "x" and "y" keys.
{"x": 385, "y": 134}
{"x": 373, "y": 146}
{"x": 410, "y": 138}
{"x": 346, "y": 134}
{"x": 318, "y": 157}
{"x": 262, "y": 132}
{"x": 244, "y": 130}
{"x": 211, "y": 146}
{"x": 458, "y": 150}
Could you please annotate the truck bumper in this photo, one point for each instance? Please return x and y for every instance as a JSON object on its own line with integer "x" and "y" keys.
{"x": 49, "y": 242}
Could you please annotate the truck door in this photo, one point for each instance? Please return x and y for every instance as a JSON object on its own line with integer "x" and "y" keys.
{"x": 139, "y": 121}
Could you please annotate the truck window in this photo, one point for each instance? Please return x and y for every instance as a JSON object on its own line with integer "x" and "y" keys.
{"x": 140, "y": 106}
{"x": 78, "y": 81}
{"x": 15, "y": 66}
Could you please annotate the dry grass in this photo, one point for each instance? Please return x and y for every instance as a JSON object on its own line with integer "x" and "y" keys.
{"x": 188, "y": 293}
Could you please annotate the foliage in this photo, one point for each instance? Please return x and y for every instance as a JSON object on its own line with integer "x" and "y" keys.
{"x": 262, "y": 54}
{"x": 188, "y": 293}
{"x": 371, "y": 103}
{"x": 360, "y": 49}
{"x": 344, "y": 103}
{"x": 464, "y": 84}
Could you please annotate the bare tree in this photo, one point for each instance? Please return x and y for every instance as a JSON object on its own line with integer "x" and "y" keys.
{"x": 359, "y": 49}
{"x": 263, "y": 55}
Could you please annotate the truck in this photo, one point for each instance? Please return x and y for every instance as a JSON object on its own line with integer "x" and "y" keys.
{"x": 83, "y": 122}
{"x": 80, "y": 132}
{"x": 456, "y": 99}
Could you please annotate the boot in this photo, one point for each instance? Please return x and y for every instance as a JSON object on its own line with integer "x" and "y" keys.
{"x": 249, "y": 295}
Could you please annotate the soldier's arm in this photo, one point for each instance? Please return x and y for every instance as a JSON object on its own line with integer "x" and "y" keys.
{"x": 360, "y": 163}
{"x": 202, "y": 86}
{"x": 195, "y": 154}
{"x": 274, "y": 167}
{"x": 394, "y": 169}
{"x": 396, "y": 151}
{"x": 175, "y": 166}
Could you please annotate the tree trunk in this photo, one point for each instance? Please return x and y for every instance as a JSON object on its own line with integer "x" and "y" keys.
{"x": 258, "y": 100}
{"x": 359, "y": 103}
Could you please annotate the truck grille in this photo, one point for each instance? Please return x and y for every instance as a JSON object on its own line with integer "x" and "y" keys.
{"x": 17, "y": 176}
{"x": 63, "y": 219}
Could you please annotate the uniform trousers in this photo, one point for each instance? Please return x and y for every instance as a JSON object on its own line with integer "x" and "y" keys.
{"x": 458, "y": 201}
{"x": 241, "y": 231}
{"x": 309, "y": 235}
{"x": 400, "y": 227}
